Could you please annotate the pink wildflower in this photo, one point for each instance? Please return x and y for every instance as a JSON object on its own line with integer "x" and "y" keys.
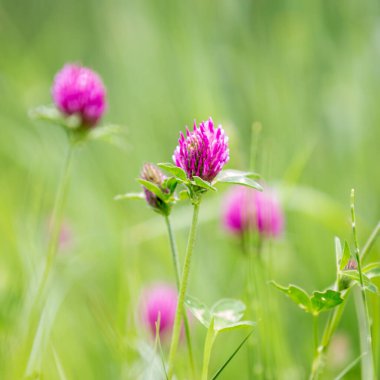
{"x": 203, "y": 152}
{"x": 79, "y": 90}
{"x": 246, "y": 209}
{"x": 159, "y": 303}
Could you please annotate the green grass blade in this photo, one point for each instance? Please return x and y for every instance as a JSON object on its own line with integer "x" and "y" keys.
{"x": 221, "y": 369}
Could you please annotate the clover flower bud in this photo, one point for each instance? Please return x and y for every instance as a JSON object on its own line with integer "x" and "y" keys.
{"x": 351, "y": 265}
{"x": 344, "y": 282}
{"x": 78, "y": 90}
{"x": 247, "y": 209}
{"x": 203, "y": 152}
{"x": 153, "y": 174}
{"x": 158, "y": 305}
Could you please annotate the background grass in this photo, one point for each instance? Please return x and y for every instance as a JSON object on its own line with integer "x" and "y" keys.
{"x": 308, "y": 71}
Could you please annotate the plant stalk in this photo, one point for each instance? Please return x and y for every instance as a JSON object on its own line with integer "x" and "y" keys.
{"x": 56, "y": 225}
{"x": 320, "y": 352}
{"x": 210, "y": 339}
{"x": 315, "y": 332}
{"x": 182, "y": 291}
{"x": 177, "y": 271}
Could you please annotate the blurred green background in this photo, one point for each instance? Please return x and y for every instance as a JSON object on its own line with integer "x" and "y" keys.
{"x": 307, "y": 71}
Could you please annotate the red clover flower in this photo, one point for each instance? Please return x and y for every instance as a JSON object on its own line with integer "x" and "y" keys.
{"x": 246, "y": 209}
{"x": 79, "y": 90}
{"x": 203, "y": 152}
{"x": 159, "y": 303}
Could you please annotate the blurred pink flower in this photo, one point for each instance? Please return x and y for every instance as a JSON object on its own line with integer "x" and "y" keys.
{"x": 245, "y": 209}
{"x": 159, "y": 302}
{"x": 340, "y": 350}
{"x": 65, "y": 238}
{"x": 79, "y": 90}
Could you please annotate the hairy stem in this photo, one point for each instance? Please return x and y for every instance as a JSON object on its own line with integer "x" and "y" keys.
{"x": 182, "y": 291}
{"x": 177, "y": 271}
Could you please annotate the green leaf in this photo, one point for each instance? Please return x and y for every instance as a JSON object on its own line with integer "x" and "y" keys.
{"x": 354, "y": 275}
{"x": 297, "y": 295}
{"x": 227, "y": 312}
{"x": 104, "y": 132}
{"x": 231, "y": 173}
{"x": 323, "y": 301}
{"x": 121, "y": 197}
{"x": 235, "y": 326}
{"x": 372, "y": 270}
{"x": 153, "y": 188}
{"x": 241, "y": 180}
{"x": 346, "y": 256}
{"x": 183, "y": 195}
{"x": 204, "y": 184}
{"x": 170, "y": 184}
{"x": 199, "y": 310}
{"x": 220, "y": 370}
{"x": 175, "y": 170}
{"x": 53, "y": 115}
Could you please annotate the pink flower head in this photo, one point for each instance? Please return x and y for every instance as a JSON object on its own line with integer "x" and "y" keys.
{"x": 159, "y": 302}
{"x": 79, "y": 90}
{"x": 203, "y": 152}
{"x": 246, "y": 209}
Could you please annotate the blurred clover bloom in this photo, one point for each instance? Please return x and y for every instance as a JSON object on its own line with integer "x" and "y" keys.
{"x": 78, "y": 90}
{"x": 203, "y": 152}
{"x": 158, "y": 304}
{"x": 65, "y": 238}
{"x": 153, "y": 174}
{"x": 247, "y": 209}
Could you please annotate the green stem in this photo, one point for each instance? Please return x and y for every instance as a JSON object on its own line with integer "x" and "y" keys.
{"x": 182, "y": 291}
{"x": 320, "y": 352}
{"x": 210, "y": 339}
{"x": 368, "y": 367}
{"x": 56, "y": 225}
{"x": 173, "y": 247}
{"x": 177, "y": 271}
{"x": 254, "y": 304}
{"x": 315, "y": 332}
